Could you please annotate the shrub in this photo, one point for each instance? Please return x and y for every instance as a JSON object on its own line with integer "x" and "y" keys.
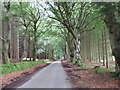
{"x": 79, "y": 63}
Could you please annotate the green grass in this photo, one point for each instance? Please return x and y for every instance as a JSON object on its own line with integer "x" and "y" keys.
{"x": 115, "y": 75}
{"x": 8, "y": 68}
{"x": 101, "y": 70}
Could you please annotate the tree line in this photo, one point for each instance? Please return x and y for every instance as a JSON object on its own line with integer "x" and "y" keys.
{"x": 76, "y": 31}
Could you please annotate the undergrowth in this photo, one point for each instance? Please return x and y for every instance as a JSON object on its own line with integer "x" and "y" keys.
{"x": 8, "y": 68}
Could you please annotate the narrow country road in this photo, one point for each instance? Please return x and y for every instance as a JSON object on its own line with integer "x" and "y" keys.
{"x": 52, "y": 76}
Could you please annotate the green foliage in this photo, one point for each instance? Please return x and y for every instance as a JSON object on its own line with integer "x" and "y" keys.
{"x": 79, "y": 63}
{"x": 100, "y": 70}
{"x": 8, "y": 68}
{"x": 116, "y": 75}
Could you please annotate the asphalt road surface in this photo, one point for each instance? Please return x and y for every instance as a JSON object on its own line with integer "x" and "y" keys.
{"x": 52, "y": 76}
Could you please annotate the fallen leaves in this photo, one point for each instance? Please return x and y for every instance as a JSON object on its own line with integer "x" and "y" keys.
{"x": 87, "y": 78}
{"x": 8, "y": 79}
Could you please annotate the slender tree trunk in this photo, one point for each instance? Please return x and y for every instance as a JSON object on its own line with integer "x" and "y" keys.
{"x": 52, "y": 52}
{"x": 34, "y": 50}
{"x": 31, "y": 49}
{"x": 89, "y": 45}
{"x": 99, "y": 50}
{"x": 106, "y": 52}
{"x": 67, "y": 52}
{"x": 35, "y": 44}
{"x": 103, "y": 48}
{"x": 1, "y": 7}
{"x": 0, "y": 39}
{"x": 29, "y": 46}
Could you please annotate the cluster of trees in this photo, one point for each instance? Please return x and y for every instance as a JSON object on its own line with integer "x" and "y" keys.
{"x": 79, "y": 20}
{"x": 26, "y": 33}
{"x": 76, "y": 31}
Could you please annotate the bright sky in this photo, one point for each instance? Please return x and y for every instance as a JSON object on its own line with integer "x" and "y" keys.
{"x": 41, "y": 6}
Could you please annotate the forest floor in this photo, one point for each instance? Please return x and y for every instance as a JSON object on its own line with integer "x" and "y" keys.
{"x": 92, "y": 64}
{"x": 87, "y": 78}
{"x": 12, "y": 79}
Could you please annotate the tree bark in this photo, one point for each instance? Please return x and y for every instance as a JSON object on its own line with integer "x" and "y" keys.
{"x": 34, "y": 43}
{"x": 115, "y": 48}
{"x": 0, "y": 39}
{"x": 67, "y": 52}
{"x": 106, "y": 51}
{"x": 114, "y": 32}
{"x": 5, "y": 44}
{"x": 5, "y": 32}
{"x": 14, "y": 42}
{"x": 1, "y": 7}
{"x": 103, "y": 48}
{"x": 77, "y": 50}
{"x": 99, "y": 50}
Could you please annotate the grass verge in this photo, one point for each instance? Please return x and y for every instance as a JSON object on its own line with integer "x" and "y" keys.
{"x": 100, "y": 70}
{"x": 8, "y": 68}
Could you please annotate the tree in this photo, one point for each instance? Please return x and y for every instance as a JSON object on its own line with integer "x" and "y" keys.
{"x": 74, "y": 17}
{"x": 5, "y": 32}
{"x": 106, "y": 50}
{"x": 19, "y": 10}
{"x": 111, "y": 18}
{"x": 103, "y": 48}
{"x": 35, "y": 20}
{"x": 14, "y": 39}
{"x": 0, "y": 36}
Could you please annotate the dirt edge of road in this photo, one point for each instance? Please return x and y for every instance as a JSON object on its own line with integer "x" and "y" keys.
{"x": 17, "y": 78}
{"x": 87, "y": 78}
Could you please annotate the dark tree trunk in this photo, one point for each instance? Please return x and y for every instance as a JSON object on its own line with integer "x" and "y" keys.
{"x": 103, "y": 48}
{"x": 114, "y": 32}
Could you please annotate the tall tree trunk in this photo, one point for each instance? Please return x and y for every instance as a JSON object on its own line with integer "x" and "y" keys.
{"x": 34, "y": 50}
{"x": 115, "y": 48}
{"x": 106, "y": 52}
{"x": 0, "y": 36}
{"x": 67, "y": 52}
{"x": 35, "y": 44}
{"x": 6, "y": 38}
{"x": 82, "y": 50}
{"x": 29, "y": 43}
{"x": 21, "y": 46}
{"x": 14, "y": 42}
{"x": 89, "y": 46}
{"x": 103, "y": 48}
{"x": 77, "y": 50}
{"x": 71, "y": 48}
{"x": 1, "y": 6}
{"x": 114, "y": 32}
{"x": 5, "y": 32}
{"x": 52, "y": 54}
{"x": 98, "y": 49}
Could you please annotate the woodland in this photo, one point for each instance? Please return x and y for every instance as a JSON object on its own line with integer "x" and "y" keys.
{"x": 80, "y": 32}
